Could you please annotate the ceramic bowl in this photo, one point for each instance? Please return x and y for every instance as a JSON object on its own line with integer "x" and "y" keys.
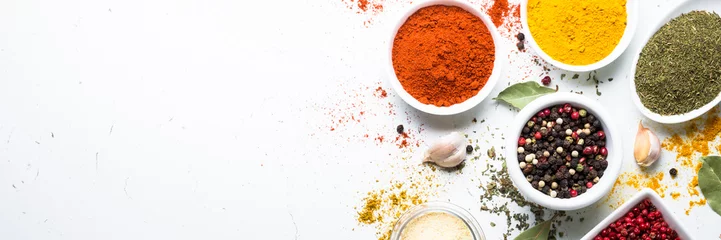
{"x": 631, "y": 23}
{"x": 646, "y": 193}
{"x": 445, "y": 207}
{"x": 684, "y": 7}
{"x": 500, "y": 57}
{"x": 613, "y": 144}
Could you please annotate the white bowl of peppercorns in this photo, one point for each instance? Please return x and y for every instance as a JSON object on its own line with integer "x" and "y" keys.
{"x": 564, "y": 152}
{"x": 644, "y": 216}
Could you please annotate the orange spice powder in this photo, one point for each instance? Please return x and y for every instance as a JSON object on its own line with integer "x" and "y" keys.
{"x": 638, "y": 180}
{"x": 699, "y": 138}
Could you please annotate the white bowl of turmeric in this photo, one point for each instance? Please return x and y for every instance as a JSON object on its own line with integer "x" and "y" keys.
{"x": 579, "y": 35}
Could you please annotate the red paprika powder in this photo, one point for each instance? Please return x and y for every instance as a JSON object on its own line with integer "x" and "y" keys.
{"x": 443, "y": 55}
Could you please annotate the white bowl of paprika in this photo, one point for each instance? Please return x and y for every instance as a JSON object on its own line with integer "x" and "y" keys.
{"x": 579, "y": 36}
{"x": 443, "y": 56}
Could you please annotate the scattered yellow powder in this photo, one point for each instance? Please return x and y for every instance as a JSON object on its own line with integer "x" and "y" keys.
{"x": 383, "y": 207}
{"x": 675, "y": 195}
{"x": 638, "y": 180}
{"x": 692, "y": 144}
{"x": 691, "y": 204}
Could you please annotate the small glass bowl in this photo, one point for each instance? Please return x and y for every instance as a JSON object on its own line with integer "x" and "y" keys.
{"x": 444, "y": 207}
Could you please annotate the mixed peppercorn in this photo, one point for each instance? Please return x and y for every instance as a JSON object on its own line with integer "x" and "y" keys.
{"x": 644, "y": 221}
{"x": 562, "y": 151}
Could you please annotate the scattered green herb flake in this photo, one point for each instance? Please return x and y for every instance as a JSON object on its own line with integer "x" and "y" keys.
{"x": 493, "y": 224}
{"x": 575, "y": 76}
{"x": 610, "y": 79}
{"x": 581, "y": 219}
{"x": 563, "y": 75}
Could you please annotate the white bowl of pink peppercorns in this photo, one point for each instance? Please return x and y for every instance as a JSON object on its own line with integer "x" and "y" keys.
{"x": 644, "y": 216}
{"x": 563, "y": 151}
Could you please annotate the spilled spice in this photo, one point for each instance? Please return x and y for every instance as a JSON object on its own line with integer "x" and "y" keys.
{"x": 346, "y": 115}
{"x": 498, "y": 11}
{"x": 637, "y": 180}
{"x": 501, "y": 186}
{"x": 381, "y": 208}
{"x": 692, "y": 204}
{"x": 698, "y": 138}
{"x": 380, "y": 92}
{"x": 675, "y": 195}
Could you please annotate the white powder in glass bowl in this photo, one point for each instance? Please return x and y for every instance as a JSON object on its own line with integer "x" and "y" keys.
{"x": 436, "y": 226}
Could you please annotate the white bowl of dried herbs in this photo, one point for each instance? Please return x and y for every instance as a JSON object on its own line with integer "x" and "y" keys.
{"x": 677, "y": 74}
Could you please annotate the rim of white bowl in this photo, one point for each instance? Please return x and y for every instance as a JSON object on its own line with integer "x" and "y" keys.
{"x": 631, "y": 23}
{"x": 683, "y": 7}
{"x": 498, "y": 63}
{"x": 613, "y": 144}
{"x": 668, "y": 216}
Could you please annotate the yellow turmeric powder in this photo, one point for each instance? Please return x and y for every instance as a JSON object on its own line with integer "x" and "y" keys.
{"x": 693, "y": 143}
{"x": 577, "y": 32}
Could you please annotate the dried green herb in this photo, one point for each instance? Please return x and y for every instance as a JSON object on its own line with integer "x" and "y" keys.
{"x": 679, "y": 69}
{"x": 520, "y": 94}
{"x": 709, "y": 180}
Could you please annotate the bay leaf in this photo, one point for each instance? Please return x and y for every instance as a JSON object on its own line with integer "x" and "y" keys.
{"x": 709, "y": 180}
{"x": 520, "y": 94}
{"x": 538, "y": 232}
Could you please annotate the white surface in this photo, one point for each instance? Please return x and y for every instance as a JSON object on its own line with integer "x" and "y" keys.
{"x": 683, "y": 7}
{"x": 498, "y": 63}
{"x": 656, "y": 200}
{"x": 614, "y": 145}
{"x": 197, "y": 119}
{"x": 628, "y": 35}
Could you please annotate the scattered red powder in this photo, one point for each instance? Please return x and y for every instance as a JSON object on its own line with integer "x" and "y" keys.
{"x": 360, "y": 107}
{"x": 401, "y": 141}
{"x": 363, "y": 5}
{"x": 498, "y": 11}
{"x": 380, "y": 92}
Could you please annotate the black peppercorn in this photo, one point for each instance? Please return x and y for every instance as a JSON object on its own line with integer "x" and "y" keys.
{"x": 469, "y": 149}
{"x": 673, "y": 172}
{"x": 520, "y": 46}
{"x": 399, "y": 129}
{"x": 521, "y": 36}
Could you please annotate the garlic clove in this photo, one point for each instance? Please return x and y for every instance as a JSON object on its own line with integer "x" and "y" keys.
{"x": 448, "y": 151}
{"x": 647, "y": 148}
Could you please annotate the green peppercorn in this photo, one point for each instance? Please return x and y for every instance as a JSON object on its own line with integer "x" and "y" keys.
{"x": 579, "y": 168}
{"x": 531, "y": 123}
{"x": 582, "y": 112}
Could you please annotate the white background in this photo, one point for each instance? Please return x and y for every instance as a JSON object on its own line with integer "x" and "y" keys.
{"x": 198, "y": 119}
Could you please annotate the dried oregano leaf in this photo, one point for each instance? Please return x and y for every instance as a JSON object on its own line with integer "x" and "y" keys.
{"x": 520, "y": 94}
